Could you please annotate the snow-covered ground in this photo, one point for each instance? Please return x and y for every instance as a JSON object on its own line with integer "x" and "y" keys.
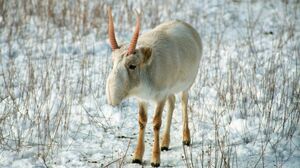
{"x": 243, "y": 107}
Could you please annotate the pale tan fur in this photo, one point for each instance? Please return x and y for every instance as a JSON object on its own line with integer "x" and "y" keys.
{"x": 166, "y": 136}
{"x": 165, "y": 62}
{"x": 139, "y": 152}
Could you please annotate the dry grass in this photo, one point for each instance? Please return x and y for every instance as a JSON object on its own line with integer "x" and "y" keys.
{"x": 43, "y": 86}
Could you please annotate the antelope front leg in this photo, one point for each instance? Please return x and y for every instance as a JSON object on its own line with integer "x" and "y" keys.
{"x": 155, "y": 160}
{"x": 166, "y": 136}
{"x": 140, "y": 148}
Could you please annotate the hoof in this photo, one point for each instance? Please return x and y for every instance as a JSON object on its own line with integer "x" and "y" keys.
{"x": 187, "y": 143}
{"x": 155, "y": 164}
{"x": 137, "y": 161}
{"x": 164, "y": 148}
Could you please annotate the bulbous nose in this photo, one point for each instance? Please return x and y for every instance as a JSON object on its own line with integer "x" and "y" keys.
{"x": 108, "y": 96}
{"x": 111, "y": 101}
{"x": 109, "y": 93}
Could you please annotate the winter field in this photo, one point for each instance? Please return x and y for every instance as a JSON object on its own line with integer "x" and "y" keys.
{"x": 244, "y": 108}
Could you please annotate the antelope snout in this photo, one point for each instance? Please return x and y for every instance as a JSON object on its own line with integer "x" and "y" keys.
{"x": 111, "y": 95}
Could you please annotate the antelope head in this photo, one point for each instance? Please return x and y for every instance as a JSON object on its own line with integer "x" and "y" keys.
{"x": 128, "y": 64}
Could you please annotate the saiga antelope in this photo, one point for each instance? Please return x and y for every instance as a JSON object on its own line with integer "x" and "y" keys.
{"x": 154, "y": 67}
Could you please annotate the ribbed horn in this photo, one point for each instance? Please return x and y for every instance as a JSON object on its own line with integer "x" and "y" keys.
{"x": 135, "y": 36}
{"x": 111, "y": 31}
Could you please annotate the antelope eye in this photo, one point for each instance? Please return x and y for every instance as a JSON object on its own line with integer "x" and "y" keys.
{"x": 132, "y": 67}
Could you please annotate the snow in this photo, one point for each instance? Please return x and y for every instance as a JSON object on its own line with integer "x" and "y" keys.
{"x": 243, "y": 107}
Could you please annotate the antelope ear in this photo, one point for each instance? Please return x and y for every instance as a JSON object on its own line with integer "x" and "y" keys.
{"x": 147, "y": 55}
